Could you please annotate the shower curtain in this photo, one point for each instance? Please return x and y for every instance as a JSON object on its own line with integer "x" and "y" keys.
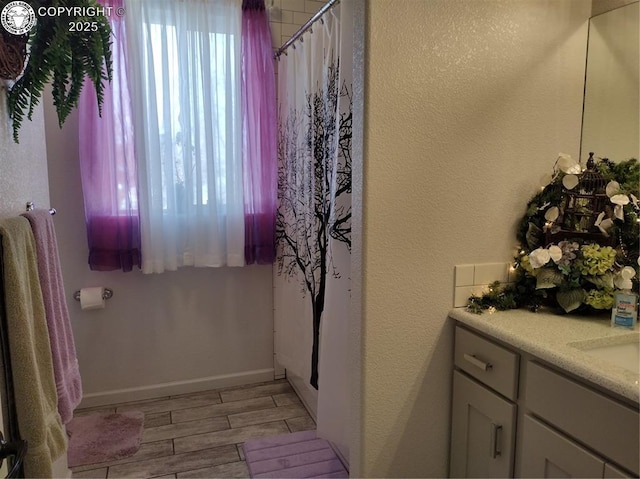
{"x": 313, "y": 228}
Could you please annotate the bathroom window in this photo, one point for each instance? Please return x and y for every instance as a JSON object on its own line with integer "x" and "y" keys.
{"x": 174, "y": 171}
{"x": 190, "y": 147}
{"x": 185, "y": 64}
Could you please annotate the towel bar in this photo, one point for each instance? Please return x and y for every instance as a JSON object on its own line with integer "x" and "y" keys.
{"x": 108, "y": 293}
{"x": 31, "y": 205}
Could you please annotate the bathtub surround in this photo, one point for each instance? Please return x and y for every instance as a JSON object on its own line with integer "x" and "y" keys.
{"x": 287, "y": 16}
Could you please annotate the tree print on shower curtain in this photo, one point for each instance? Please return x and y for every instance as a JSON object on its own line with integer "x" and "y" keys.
{"x": 314, "y": 189}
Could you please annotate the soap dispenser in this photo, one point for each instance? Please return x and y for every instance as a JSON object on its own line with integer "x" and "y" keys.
{"x": 624, "y": 313}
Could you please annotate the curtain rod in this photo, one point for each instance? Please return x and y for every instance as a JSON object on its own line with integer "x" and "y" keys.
{"x": 305, "y": 27}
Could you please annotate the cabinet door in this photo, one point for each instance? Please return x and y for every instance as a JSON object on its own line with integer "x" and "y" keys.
{"x": 546, "y": 453}
{"x": 482, "y": 431}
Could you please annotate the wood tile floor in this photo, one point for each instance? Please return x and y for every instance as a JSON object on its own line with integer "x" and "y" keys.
{"x": 200, "y": 435}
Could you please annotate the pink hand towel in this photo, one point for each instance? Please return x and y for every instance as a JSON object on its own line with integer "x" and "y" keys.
{"x": 63, "y": 349}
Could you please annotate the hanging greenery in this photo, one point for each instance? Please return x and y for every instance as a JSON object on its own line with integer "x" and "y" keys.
{"x": 578, "y": 243}
{"x": 63, "y": 49}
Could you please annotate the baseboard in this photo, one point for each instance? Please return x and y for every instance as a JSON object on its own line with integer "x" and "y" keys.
{"x": 306, "y": 393}
{"x": 174, "y": 388}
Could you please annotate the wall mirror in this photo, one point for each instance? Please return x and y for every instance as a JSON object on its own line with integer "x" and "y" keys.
{"x": 611, "y": 105}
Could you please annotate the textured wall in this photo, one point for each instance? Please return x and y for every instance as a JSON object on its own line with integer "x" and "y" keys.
{"x": 23, "y": 177}
{"x": 23, "y": 167}
{"x": 467, "y": 104}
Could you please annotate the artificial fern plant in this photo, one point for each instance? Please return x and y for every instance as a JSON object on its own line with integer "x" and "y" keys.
{"x": 64, "y": 56}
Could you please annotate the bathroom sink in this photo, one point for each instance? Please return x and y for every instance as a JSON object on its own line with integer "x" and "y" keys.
{"x": 623, "y": 350}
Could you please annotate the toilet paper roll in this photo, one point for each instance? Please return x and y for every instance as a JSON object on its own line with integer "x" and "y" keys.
{"x": 92, "y": 298}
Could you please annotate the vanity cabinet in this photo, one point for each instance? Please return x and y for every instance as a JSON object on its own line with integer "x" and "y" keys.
{"x": 546, "y": 453}
{"x": 516, "y": 416}
{"x": 483, "y": 412}
{"x": 482, "y": 431}
{"x": 565, "y": 417}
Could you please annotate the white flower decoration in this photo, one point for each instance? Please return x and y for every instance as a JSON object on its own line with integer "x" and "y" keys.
{"x": 568, "y": 165}
{"x": 539, "y": 257}
{"x": 620, "y": 200}
{"x": 555, "y": 253}
{"x": 603, "y": 223}
{"x": 552, "y": 214}
{"x": 570, "y": 181}
{"x": 612, "y": 188}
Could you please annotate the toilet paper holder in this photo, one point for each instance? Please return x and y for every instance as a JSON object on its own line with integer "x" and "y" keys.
{"x": 108, "y": 293}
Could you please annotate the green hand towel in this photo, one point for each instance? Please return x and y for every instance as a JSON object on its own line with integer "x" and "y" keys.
{"x": 31, "y": 364}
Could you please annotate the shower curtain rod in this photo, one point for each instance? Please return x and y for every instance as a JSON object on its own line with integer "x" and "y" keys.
{"x": 305, "y": 27}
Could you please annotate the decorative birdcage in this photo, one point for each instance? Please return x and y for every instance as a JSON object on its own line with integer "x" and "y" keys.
{"x": 582, "y": 203}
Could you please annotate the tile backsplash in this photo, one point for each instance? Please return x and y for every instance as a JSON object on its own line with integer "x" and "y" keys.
{"x": 475, "y": 279}
{"x": 287, "y": 16}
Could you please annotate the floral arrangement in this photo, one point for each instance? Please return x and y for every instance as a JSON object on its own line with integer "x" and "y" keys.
{"x": 577, "y": 247}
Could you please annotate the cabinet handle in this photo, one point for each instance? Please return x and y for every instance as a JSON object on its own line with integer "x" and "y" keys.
{"x": 496, "y": 433}
{"x": 477, "y": 362}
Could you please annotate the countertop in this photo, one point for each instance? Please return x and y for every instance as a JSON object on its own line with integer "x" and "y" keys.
{"x": 552, "y": 338}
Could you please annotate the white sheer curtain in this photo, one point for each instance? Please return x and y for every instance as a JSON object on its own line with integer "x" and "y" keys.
{"x": 185, "y": 75}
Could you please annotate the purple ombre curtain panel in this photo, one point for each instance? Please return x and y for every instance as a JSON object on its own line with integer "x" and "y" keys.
{"x": 108, "y": 165}
{"x": 259, "y": 128}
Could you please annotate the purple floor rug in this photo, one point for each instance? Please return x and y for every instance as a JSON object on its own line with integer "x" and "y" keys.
{"x": 296, "y": 455}
{"x": 99, "y": 438}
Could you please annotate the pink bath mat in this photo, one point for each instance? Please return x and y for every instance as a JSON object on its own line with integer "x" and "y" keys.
{"x": 295, "y": 455}
{"x": 97, "y": 438}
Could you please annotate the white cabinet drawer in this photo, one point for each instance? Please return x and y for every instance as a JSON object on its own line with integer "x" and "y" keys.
{"x": 493, "y": 365}
{"x": 605, "y": 425}
{"x": 549, "y": 454}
